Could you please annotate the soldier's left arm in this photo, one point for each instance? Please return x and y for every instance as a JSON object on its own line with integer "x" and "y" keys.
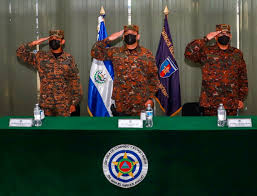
{"x": 152, "y": 73}
{"x": 243, "y": 81}
{"x": 75, "y": 84}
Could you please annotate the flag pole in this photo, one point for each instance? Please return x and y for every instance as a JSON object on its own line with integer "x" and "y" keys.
{"x": 166, "y": 12}
{"x": 99, "y": 99}
{"x": 102, "y": 13}
{"x": 168, "y": 96}
{"x": 37, "y": 48}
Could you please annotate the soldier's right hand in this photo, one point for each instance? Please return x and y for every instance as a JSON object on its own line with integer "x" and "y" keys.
{"x": 116, "y": 35}
{"x": 211, "y": 35}
{"x": 39, "y": 41}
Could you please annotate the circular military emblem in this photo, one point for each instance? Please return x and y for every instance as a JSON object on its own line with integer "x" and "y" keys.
{"x": 100, "y": 77}
{"x": 125, "y": 165}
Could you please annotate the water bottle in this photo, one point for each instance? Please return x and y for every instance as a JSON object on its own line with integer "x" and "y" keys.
{"x": 37, "y": 116}
{"x": 149, "y": 116}
{"x": 222, "y": 116}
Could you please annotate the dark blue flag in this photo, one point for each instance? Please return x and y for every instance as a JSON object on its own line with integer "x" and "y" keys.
{"x": 168, "y": 73}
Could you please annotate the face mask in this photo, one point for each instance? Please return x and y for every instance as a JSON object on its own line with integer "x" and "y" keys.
{"x": 223, "y": 40}
{"x": 54, "y": 44}
{"x": 130, "y": 39}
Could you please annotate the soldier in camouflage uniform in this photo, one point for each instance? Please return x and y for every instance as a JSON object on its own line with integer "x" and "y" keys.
{"x": 135, "y": 72}
{"x": 60, "y": 89}
{"x": 224, "y": 74}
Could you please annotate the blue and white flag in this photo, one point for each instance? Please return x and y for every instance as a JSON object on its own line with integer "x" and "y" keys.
{"x": 101, "y": 81}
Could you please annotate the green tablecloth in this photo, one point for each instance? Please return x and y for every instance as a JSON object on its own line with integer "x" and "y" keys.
{"x": 186, "y": 156}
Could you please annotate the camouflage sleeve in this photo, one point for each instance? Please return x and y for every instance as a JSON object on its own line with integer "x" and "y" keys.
{"x": 153, "y": 80}
{"x": 100, "y": 52}
{"x": 25, "y": 54}
{"x": 243, "y": 81}
{"x": 193, "y": 50}
{"x": 75, "y": 84}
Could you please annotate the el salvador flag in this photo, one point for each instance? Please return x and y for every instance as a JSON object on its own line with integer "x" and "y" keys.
{"x": 101, "y": 81}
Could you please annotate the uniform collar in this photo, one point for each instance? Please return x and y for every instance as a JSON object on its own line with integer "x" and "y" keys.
{"x": 63, "y": 55}
{"x": 228, "y": 49}
{"x": 134, "y": 51}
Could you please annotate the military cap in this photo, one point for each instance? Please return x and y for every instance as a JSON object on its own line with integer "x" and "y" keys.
{"x": 57, "y": 33}
{"x": 223, "y": 27}
{"x": 131, "y": 27}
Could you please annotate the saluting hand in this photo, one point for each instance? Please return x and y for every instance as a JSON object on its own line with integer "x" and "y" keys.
{"x": 39, "y": 41}
{"x": 212, "y": 35}
{"x": 116, "y": 35}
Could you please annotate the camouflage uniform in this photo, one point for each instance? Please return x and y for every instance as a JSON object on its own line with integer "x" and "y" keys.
{"x": 59, "y": 80}
{"x": 135, "y": 75}
{"x": 224, "y": 75}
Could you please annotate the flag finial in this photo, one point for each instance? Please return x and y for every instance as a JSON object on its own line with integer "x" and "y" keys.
{"x": 102, "y": 12}
{"x": 166, "y": 10}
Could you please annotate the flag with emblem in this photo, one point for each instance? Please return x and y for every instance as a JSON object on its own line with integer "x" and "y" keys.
{"x": 168, "y": 73}
{"x": 101, "y": 81}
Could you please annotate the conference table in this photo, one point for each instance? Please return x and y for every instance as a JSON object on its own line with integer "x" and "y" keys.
{"x": 186, "y": 156}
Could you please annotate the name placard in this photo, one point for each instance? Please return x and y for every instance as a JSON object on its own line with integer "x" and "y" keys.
{"x": 240, "y": 122}
{"x": 20, "y": 122}
{"x": 130, "y": 123}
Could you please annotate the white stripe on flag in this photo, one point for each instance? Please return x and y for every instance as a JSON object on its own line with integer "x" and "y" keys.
{"x": 103, "y": 82}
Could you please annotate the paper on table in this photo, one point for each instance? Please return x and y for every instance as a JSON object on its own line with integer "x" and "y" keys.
{"x": 240, "y": 122}
{"x": 130, "y": 123}
{"x": 19, "y": 122}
